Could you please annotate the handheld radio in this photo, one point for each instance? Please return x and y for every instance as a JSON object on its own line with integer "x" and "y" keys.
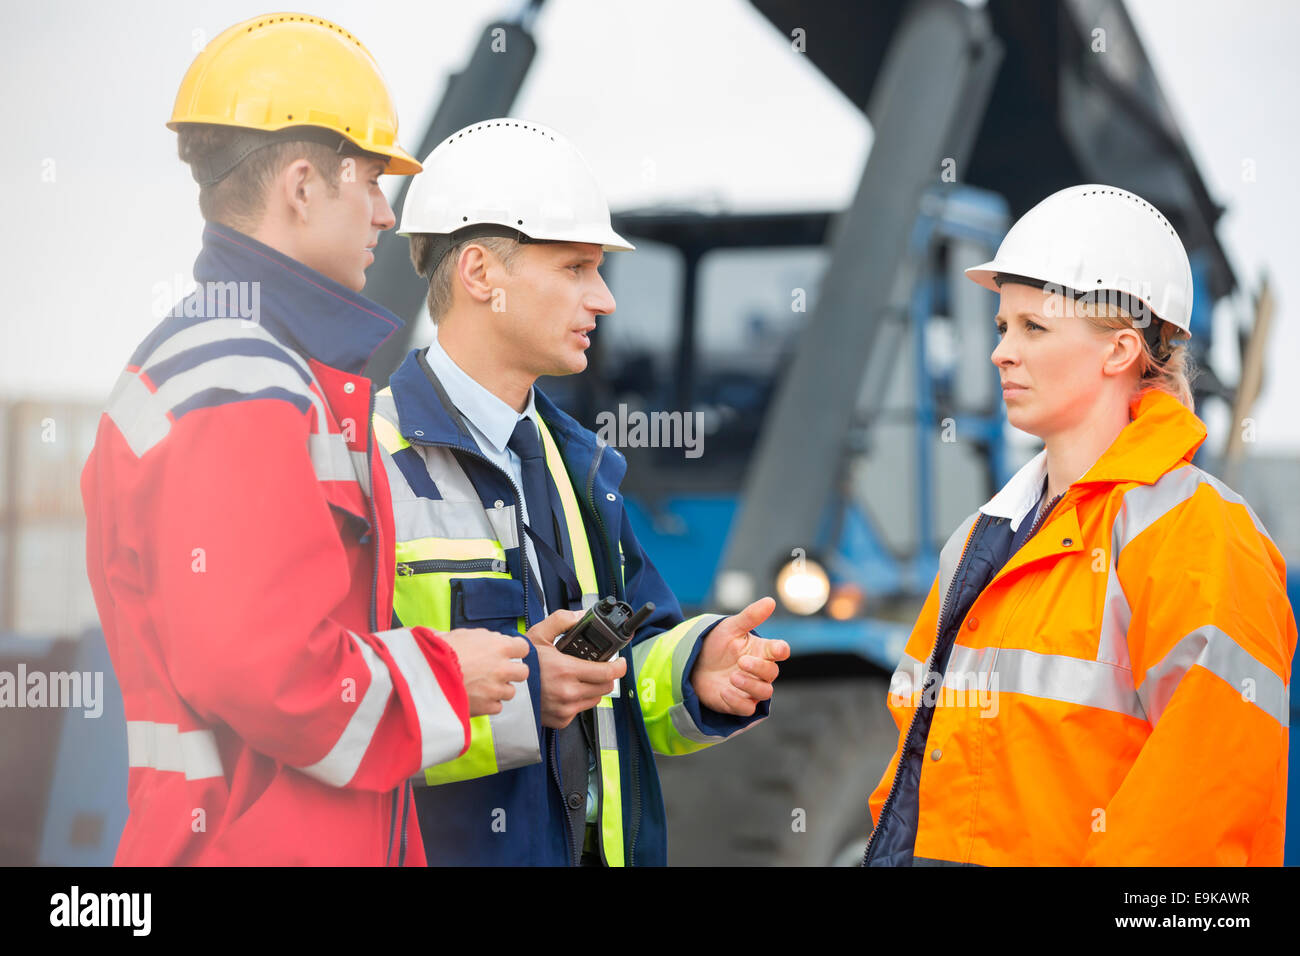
{"x": 603, "y": 631}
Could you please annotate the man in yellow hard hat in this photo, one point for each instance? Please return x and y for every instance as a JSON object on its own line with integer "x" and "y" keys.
{"x": 240, "y": 530}
{"x": 282, "y": 87}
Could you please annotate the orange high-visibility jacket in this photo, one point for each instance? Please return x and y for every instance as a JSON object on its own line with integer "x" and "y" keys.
{"x": 1117, "y": 693}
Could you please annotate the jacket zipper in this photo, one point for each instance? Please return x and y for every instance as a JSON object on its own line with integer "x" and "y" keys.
{"x": 374, "y": 578}
{"x": 600, "y": 801}
{"x": 634, "y": 744}
{"x": 1042, "y": 517}
{"x": 374, "y": 512}
{"x": 574, "y": 852}
{"x": 600, "y": 770}
{"x": 432, "y": 565}
{"x": 392, "y": 828}
{"x": 600, "y": 524}
{"x": 406, "y": 796}
{"x": 929, "y": 669}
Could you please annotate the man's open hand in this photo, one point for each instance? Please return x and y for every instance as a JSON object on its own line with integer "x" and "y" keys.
{"x": 570, "y": 685}
{"x": 736, "y": 668}
{"x": 490, "y": 664}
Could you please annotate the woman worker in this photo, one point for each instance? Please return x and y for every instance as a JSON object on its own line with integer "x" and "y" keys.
{"x": 1100, "y": 672}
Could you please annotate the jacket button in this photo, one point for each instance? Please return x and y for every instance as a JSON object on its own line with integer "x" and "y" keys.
{"x": 972, "y": 623}
{"x": 575, "y": 800}
{"x": 610, "y": 496}
{"x": 498, "y": 504}
{"x": 936, "y": 753}
{"x": 349, "y": 387}
{"x": 418, "y": 433}
{"x": 1066, "y": 542}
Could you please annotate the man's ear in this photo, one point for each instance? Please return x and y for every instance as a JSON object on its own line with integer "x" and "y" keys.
{"x": 296, "y": 186}
{"x": 475, "y": 269}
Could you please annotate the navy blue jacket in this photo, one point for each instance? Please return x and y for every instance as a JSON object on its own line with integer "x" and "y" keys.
{"x": 457, "y": 819}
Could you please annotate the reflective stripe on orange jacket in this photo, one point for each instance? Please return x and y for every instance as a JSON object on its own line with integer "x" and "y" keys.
{"x": 1118, "y": 692}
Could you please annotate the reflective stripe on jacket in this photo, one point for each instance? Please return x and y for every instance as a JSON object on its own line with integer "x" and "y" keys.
{"x": 461, "y": 565}
{"x": 1116, "y": 693}
{"x": 239, "y": 549}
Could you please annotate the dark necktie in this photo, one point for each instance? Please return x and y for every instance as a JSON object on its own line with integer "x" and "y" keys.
{"x": 541, "y": 519}
{"x": 570, "y": 743}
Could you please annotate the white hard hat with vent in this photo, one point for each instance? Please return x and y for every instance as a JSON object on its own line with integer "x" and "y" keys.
{"x": 512, "y": 178}
{"x": 1100, "y": 241}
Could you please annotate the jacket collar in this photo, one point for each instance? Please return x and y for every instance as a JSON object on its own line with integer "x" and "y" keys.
{"x": 426, "y": 414}
{"x": 1161, "y": 434}
{"x": 307, "y": 311}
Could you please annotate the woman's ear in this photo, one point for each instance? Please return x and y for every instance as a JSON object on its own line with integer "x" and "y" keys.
{"x": 1124, "y": 353}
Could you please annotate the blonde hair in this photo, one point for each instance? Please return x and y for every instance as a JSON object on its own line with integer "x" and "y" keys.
{"x": 1169, "y": 367}
{"x": 440, "y": 283}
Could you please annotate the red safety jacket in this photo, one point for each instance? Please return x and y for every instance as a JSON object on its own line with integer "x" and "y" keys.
{"x": 239, "y": 544}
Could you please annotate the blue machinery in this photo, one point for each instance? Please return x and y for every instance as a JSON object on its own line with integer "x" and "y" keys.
{"x": 685, "y": 532}
{"x": 923, "y": 71}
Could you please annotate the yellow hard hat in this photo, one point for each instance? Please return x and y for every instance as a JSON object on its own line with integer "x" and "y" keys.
{"x": 280, "y": 72}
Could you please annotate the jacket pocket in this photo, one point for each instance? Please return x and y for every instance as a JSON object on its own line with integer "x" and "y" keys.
{"x": 426, "y": 572}
{"x": 495, "y": 604}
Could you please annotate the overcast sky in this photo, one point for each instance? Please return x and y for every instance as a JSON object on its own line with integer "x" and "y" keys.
{"x": 700, "y": 102}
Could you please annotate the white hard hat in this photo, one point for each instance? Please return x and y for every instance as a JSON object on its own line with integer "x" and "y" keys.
{"x": 1098, "y": 239}
{"x": 509, "y": 173}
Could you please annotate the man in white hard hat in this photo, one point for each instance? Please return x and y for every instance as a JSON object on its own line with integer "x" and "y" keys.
{"x": 509, "y": 518}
